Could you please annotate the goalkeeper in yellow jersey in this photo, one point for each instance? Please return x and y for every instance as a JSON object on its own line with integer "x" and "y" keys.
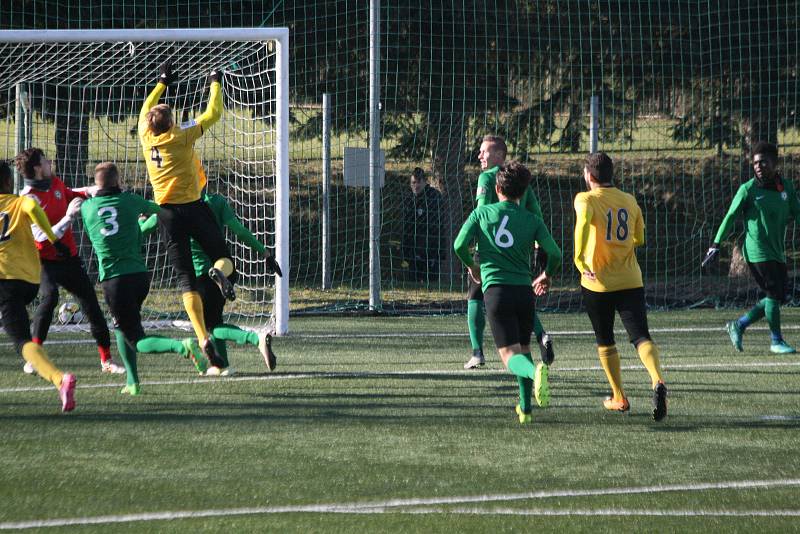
{"x": 608, "y": 227}
{"x": 20, "y": 272}
{"x": 171, "y": 165}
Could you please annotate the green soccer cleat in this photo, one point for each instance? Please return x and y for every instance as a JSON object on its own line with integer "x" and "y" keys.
{"x": 524, "y": 418}
{"x": 132, "y": 390}
{"x": 781, "y": 347}
{"x": 193, "y": 352}
{"x": 736, "y": 334}
{"x": 541, "y": 385}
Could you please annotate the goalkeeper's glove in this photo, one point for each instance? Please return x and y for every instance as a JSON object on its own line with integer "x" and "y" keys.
{"x": 711, "y": 255}
{"x": 62, "y": 250}
{"x": 214, "y": 76}
{"x": 166, "y": 73}
{"x": 272, "y": 266}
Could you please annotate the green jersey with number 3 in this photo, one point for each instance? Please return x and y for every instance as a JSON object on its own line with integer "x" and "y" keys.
{"x": 111, "y": 221}
{"x": 505, "y": 233}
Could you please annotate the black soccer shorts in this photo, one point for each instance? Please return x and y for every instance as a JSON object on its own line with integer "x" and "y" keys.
{"x": 69, "y": 274}
{"x": 632, "y": 308}
{"x": 179, "y": 222}
{"x": 772, "y": 279}
{"x": 15, "y": 295}
{"x": 124, "y": 296}
{"x": 509, "y": 310}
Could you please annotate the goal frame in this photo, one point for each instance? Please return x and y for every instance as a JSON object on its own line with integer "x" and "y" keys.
{"x": 281, "y": 38}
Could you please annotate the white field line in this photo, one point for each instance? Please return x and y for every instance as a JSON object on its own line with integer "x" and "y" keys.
{"x": 555, "y": 333}
{"x": 429, "y": 506}
{"x": 389, "y": 374}
{"x": 625, "y": 512}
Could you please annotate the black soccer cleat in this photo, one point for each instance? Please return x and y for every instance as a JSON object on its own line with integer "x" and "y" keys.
{"x": 659, "y": 402}
{"x": 265, "y": 348}
{"x": 210, "y": 352}
{"x": 225, "y": 286}
{"x": 546, "y": 349}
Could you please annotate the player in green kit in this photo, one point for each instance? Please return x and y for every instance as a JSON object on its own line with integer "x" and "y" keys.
{"x": 111, "y": 222}
{"x": 213, "y": 302}
{"x": 506, "y": 232}
{"x": 767, "y": 203}
{"x": 491, "y": 155}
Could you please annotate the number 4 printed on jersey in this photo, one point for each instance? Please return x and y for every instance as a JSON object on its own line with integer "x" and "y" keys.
{"x": 155, "y": 155}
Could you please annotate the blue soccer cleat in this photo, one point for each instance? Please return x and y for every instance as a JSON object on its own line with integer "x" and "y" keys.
{"x": 736, "y": 334}
{"x": 781, "y": 347}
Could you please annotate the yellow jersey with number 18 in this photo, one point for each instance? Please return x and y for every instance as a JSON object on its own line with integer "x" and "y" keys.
{"x": 170, "y": 157}
{"x": 19, "y": 258}
{"x": 608, "y": 227}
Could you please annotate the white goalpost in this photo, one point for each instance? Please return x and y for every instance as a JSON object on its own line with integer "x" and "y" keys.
{"x": 77, "y": 94}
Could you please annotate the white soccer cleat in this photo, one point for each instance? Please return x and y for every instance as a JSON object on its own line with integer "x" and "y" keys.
{"x": 213, "y": 371}
{"x": 28, "y": 368}
{"x": 475, "y": 362}
{"x": 112, "y": 368}
{"x": 228, "y": 371}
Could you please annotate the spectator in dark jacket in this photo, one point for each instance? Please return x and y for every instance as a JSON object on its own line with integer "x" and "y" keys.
{"x": 422, "y": 230}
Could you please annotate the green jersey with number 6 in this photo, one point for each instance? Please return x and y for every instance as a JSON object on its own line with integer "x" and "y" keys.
{"x": 505, "y": 233}
{"x": 111, "y": 220}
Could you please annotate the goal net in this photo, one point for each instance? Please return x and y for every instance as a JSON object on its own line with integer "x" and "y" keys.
{"x": 77, "y": 95}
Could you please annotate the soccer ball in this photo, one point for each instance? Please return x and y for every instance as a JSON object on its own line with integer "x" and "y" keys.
{"x": 70, "y": 313}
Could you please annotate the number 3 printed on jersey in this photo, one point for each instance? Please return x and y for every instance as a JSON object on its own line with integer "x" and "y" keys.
{"x": 622, "y": 224}
{"x": 109, "y": 216}
{"x": 503, "y": 238}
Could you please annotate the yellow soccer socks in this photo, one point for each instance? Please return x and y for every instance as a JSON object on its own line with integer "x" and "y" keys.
{"x": 194, "y": 308}
{"x": 609, "y": 359}
{"x": 648, "y": 353}
{"x": 35, "y": 355}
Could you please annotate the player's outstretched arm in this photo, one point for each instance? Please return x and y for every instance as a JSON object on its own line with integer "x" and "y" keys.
{"x": 214, "y": 109}
{"x": 730, "y": 218}
{"x": 38, "y": 217}
{"x": 551, "y": 249}
{"x": 232, "y": 222}
{"x": 463, "y": 239}
{"x": 148, "y": 225}
{"x": 164, "y": 79}
{"x": 40, "y": 221}
{"x": 244, "y": 234}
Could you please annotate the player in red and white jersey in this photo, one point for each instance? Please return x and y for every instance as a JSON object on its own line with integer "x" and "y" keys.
{"x": 61, "y": 204}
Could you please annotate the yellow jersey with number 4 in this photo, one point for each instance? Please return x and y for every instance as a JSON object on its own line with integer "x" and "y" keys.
{"x": 608, "y": 227}
{"x": 171, "y": 162}
{"x": 19, "y": 257}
